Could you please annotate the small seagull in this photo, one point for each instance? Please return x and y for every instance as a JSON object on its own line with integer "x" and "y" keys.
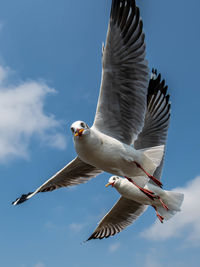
{"x": 165, "y": 203}
{"x": 124, "y": 137}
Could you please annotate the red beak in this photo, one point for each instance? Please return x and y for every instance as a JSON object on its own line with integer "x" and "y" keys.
{"x": 79, "y": 132}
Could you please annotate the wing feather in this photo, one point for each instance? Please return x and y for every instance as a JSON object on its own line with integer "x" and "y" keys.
{"x": 74, "y": 173}
{"x": 122, "y": 101}
{"x": 154, "y": 132}
{"x": 157, "y": 118}
{"x": 122, "y": 214}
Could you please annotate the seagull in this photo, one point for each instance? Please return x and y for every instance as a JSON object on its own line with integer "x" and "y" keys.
{"x": 116, "y": 141}
{"x": 154, "y": 132}
{"x": 165, "y": 203}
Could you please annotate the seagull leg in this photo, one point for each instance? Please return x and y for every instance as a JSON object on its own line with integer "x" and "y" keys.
{"x": 163, "y": 204}
{"x": 158, "y": 215}
{"x": 147, "y": 192}
{"x": 149, "y": 175}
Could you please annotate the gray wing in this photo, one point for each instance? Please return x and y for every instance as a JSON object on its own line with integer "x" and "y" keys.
{"x": 122, "y": 101}
{"x": 157, "y": 118}
{"x": 74, "y": 173}
{"x": 123, "y": 214}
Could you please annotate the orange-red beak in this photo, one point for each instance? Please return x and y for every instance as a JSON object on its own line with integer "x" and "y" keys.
{"x": 109, "y": 184}
{"x": 79, "y": 132}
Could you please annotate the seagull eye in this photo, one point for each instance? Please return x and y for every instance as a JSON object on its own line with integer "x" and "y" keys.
{"x": 72, "y": 129}
{"x": 82, "y": 125}
{"x": 114, "y": 179}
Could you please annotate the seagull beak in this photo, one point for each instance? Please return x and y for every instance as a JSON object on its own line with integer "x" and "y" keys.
{"x": 79, "y": 132}
{"x": 109, "y": 184}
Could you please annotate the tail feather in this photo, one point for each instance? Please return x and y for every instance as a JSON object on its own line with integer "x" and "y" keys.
{"x": 173, "y": 201}
{"x": 152, "y": 157}
{"x": 166, "y": 214}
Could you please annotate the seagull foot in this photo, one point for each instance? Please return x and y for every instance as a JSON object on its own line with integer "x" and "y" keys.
{"x": 160, "y": 218}
{"x": 158, "y": 215}
{"x": 147, "y": 192}
{"x": 149, "y": 175}
{"x": 163, "y": 204}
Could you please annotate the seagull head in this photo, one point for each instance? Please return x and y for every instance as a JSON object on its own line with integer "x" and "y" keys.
{"x": 113, "y": 181}
{"x": 79, "y": 128}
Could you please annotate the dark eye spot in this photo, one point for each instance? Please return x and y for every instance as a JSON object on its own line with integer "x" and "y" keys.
{"x": 72, "y": 129}
{"x": 114, "y": 179}
{"x": 82, "y": 125}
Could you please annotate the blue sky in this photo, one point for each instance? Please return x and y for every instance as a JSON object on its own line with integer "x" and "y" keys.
{"x": 50, "y": 71}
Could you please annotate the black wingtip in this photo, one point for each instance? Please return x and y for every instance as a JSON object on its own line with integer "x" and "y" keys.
{"x": 95, "y": 234}
{"x": 22, "y": 199}
{"x": 90, "y": 238}
{"x": 154, "y": 71}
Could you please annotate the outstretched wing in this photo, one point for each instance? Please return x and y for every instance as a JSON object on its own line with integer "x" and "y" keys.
{"x": 157, "y": 117}
{"x": 122, "y": 214}
{"x": 122, "y": 101}
{"x": 74, "y": 173}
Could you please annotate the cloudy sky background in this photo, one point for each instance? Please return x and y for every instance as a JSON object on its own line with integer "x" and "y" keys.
{"x": 50, "y": 71}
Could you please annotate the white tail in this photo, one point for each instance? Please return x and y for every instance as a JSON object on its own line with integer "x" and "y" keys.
{"x": 173, "y": 201}
{"x": 152, "y": 157}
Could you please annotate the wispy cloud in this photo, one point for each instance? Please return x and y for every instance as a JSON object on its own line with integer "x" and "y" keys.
{"x": 185, "y": 224}
{"x": 3, "y": 71}
{"x": 22, "y": 116}
{"x": 114, "y": 247}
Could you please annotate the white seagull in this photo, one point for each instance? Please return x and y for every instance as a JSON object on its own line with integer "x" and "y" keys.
{"x": 165, "y": 203}
{"x": 120, "y": 141}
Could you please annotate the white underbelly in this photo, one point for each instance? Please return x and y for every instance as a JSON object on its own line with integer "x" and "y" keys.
{"x": 134, "y": 193}
{"x": 120, "y": 163}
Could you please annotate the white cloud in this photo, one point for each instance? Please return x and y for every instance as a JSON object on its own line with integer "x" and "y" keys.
{"x": 185, "y": 224}
{"x": 22, "y": 116}
{"x": 114, "y": 247}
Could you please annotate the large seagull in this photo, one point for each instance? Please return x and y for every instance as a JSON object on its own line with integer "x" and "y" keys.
{"x": 122, "y": 138}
